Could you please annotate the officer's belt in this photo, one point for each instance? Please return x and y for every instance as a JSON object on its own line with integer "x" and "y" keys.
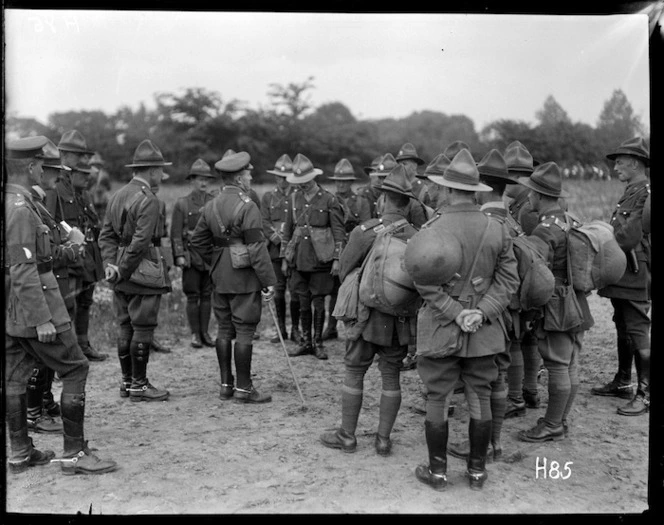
{"x": 225, "y": 242}
{"x": 155, "y": 241}
{"x": 42, "y": 267}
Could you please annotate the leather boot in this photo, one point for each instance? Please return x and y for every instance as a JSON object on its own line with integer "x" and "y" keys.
{"x": 319, "y": 321}
{"x": 204, "y": 313}
{"x": 50, "y": 405}
{"x": 339, "y": 439}
{"x": 124, "y": 355}
{"x": 620, "y": 386}
{"x": 331, "y": 329}
{"x": 77, "y": 458}
{"x": 245, "y": 391}
{"x": 295, "y": 334}
{"x": 224, "y": 349}
{"x": 515, "y": 409}
{"x": 641, "y": 402}
{"x": 280, "y": 307}
{"x": 532, "y": 399}
{"x": 141, "y": 389}
{"x": 305, "y": 345}
{"x": 435, "y": 474}
{"x": 23, "y": 452}
{"x": 542, "y": 432}
{"x": 90, "y": 351}
{"x": 193, "y": 319}
{"x": 37, "y": 419}
{"x": 480, "y": 436}
{"x": 156, "y": 346}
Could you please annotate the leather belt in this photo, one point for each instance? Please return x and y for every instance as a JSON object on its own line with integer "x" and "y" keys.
{"x": 42, "y": 267}
{"x": 225, "y": 242}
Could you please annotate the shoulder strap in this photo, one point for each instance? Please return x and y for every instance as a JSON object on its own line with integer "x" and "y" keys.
{"x": 130, "y": 202}
{"x": 464, "y": 291}
{"x": 383, "y": 229}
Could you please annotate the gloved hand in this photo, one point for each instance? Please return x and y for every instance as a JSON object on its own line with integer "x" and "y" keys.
{"x": 76, "y": 236}
{"x": 111, "y": 273}
{"x": 267, "y": 293}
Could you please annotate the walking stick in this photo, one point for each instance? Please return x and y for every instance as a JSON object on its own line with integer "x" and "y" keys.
{"x": 283, "y": 345}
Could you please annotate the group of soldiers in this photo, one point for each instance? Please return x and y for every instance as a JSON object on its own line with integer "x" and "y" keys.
{"x": 294, "y": 247}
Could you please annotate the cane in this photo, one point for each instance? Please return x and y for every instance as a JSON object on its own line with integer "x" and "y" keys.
{"x": 283, "y": 345}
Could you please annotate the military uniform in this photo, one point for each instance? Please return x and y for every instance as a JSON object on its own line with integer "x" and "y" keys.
{"x": 371, "y": 194}
{"x": 196, "y": 282}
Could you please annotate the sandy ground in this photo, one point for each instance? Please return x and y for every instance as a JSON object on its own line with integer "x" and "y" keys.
{"x": 196, "y": 454}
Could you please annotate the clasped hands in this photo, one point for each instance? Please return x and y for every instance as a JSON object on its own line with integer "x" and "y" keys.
{"x": 470, "y": 320}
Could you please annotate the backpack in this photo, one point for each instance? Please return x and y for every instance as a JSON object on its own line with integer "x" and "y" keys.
{"x": 595, "y": 257}
{"x": 536, "y": 279}
{"x": 385, "y": 284}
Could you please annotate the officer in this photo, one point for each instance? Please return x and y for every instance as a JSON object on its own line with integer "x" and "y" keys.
{"x": 229, "y": 238}
{"x": 371, "y": 191}
{"x": 274, "y": 207}
{"x": 493, "y": 173}
{"x": 356, "y": 210}
{"x": 130, "y": 245}
{"x": 38, "y": 327}
{"x": 251, "y": 192}
{"x": 630, "y": 296}
{"x": 559, "y": 339}
{"x": 407, "y": 156}
{"x": 66, "y": 248}
{"x": 70, "y": 201}
{"x": 99, "y": 185}
{"x": 378, "y": 334}
{"x": 312, "y": 212}
{"x": 196, "y": 282}
{"x": 460, "y": 327}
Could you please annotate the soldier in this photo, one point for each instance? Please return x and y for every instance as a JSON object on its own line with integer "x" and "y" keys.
{"x": 356, "y": 210}
{"x": 520, "y": 163}
{"x": 435, "y": 167}
{"x": 52, "y": 167}
{"x": 99, "y": 185}
{"x": 559, "y": 343}
{"x": 469, "y": 307}
{"x": 38, "y": 327}
{"x": 455, "y": 147}
{"x": 630, "y": 297}
{"x": 370, "y": 191}
{"x": 380, "y": 334}
{"x": 135, "y": 268}
{"x": 274, "y": 208}
{"x": 314, "y": 215}
{"x": 407, "y": 157}
{"x": 229, "y": 238}
{"x": 196, "y": 281}
{"x": 69, "y": 201}
{"x": 251, "y": 192}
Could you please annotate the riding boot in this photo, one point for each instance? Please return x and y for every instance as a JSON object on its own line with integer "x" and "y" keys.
{"x": 319, "y": 321}
{"x": 280, "y": 307}
{"x": 192, "y": 310}
{"x": 305, "y": 345}
{"x": 435, "y": 474}
{"x": 295, "y": 334}
{"x": 37, "y": 419}
{"x": 51, "y": 406}
{"x": 620, "y": 386}
{"x": 479, "y": 432}
{"x": 124, "y": 356}
{"x": 331, "y": 329}
{"x": 640, "y": 404}
{"x": 23, "y": 453}
{"x": 141, "y": 389}
{"x": 245, "y": 391}
{"x": 204, "y": 314}
{"x": 224, "y": 349}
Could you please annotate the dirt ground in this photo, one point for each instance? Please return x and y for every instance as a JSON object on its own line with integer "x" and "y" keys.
{"x": 196, "y": 454}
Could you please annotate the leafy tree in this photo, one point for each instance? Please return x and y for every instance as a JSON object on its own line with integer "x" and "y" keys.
{"x": 552, "y": 113}
{"x": 291, "y": 100}
{"x": 617, "y": 121}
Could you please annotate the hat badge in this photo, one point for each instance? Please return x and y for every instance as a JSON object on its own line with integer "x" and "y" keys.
{"x": 381, "y": 167}
{"x": 283, "y": 168}
{"x": 299, "y": 171}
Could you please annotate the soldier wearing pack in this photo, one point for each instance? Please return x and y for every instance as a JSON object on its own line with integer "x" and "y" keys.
{"x": 356, "y": 210}
{"x": 229, "y": 238}
{"x": 566, "y": 315}
{"x": 408, "y": 158}
{"x": 69, "y": 201}
{"x": 376, "y": 333}
{"x": 196, "y": 282}
{"x": 130, "y": 243}
{"x": 274, "y": 207}
{"x": 631, "y": 296}
{"x": 38, "y": 327}
{"x": 314, "y": 236}
{"x": 460, "y": 327}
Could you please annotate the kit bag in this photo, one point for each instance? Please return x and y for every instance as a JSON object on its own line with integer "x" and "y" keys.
{"x": 596, "y": 258}
{"x": 536, "y": 279}
{"x": 385, "y": 285}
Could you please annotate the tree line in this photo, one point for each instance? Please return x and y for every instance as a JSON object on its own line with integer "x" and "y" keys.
{"x": 198, "y": 123}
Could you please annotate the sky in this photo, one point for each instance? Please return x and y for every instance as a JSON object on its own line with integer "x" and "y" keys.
{"x": 383, "y": 65}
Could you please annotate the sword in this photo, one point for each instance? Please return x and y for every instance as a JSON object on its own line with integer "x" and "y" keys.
{"x": 283, "y": 345}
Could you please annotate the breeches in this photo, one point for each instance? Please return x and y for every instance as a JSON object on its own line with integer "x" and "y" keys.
{"x": 280, "y": 287}
{"x": 136, "y": 314}
{"x": 632, "y": 321}
{"x": 314, "y": 283}
{"x": 237, "y": 315}
{"x": 196, "y": 283}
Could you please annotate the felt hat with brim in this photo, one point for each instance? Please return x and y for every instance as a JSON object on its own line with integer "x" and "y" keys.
{"x": 96, "y": 160}
{"x": 200, "y": 168}
{"x": 51, "y": 157}
{"x": 283, "y": 166}
{"x": 461, "y": 174}
{"x": 546, "y": 179}
{"x": 385, "y": 166}
{"x": 234, "y": 162}
{"x": 148, "y": 155}
{"x": 493, "y": 166}
{"x": 343, "y": 171}
{"x": 397, "y": 181}
{"x": 437, "y": 166}
{"x": 635, "y": 147}
{"x": 82, "y": 167}
{"x": 408, "y": 152}
{"x": 303, "y": 170}
{"x": 74, "y": 142}
{"x": 518, "y": 158}
{"x": 454, "y": 148}
{"x": 26, "y": 148}
{"x": 374, "y": 164}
